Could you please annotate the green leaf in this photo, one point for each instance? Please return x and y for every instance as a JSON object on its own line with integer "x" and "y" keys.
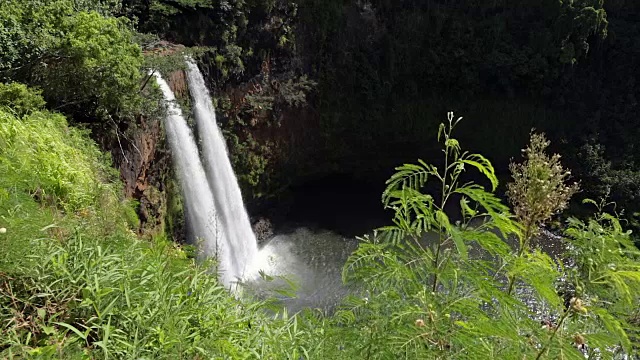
{"x": 453, "y": 144}
{"x": 614, "y": 327}
{"x": 72, "y": 328}
{"x": 539, "y": 271}
{"x": 484, "y": 166}
{"x": 466, "y": 209}
{"x": 441, "y": 131}
{"x": 412, "y": 176}
{"x": 458, "y": 238}
{"x": 489, "y": 241}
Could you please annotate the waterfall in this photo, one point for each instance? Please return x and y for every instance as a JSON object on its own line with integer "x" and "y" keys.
{"x": 211, "y": 217}
{"x": 236, "y": 232}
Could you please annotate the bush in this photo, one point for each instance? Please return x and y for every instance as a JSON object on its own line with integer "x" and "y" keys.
{"x": 49, "y": 170}
{"x": 469, "y": 292}
{"x": 85, "y": 61}
{"x": 100, "y": 67}
{"x": 20, "y": 99}
{"x": 54, "y": 163}
{"x": 126, "y": 299}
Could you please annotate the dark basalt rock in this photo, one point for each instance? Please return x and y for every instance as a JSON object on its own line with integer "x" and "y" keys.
{"x": 263, "y": 228}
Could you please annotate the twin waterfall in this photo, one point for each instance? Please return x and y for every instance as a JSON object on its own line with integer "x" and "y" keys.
{"x": 213, "y": 203}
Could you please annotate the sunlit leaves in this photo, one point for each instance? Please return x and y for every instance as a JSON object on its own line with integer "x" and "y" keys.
{"x": 540, "y": 272}
{"x": 100, "y": 65}
{"x": 614, "y": 327}
{"x": 20, "y": 99}
{"x": 48, "y": 159}
{"x": 425, "y": 265}
{"x": 412, "y": 176}
{"x": 85, "y": 61}
{"x": 484, "y": 166}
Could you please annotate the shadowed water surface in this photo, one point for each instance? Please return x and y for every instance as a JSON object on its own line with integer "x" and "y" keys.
{"x": 312, "y": 257}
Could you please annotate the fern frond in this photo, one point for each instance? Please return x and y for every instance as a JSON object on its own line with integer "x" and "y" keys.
{"x": 498, "y": 212}
{"x": 488, "y": 240}
{"x": 391, "y": 234}
{"x": 413, "y": 176}
{"x": 484, "y": 166}
{"x": 614, "y": 327}
{"x": 413, "y": 212}
{"x": 539, "y": 271}
{"x": 467, "y": 211}
{"x": 455, "y": 234}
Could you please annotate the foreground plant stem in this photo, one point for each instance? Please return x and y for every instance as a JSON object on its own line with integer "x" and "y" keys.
{"x": 442, "y": 203}
{"x": 524, "y": 246}
{"x": 555, "y": 331}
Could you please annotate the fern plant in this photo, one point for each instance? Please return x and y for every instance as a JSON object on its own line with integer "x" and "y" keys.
{"x": 434, "y": 287}
{"x": 419, "y": 269}
{"x": 607, "y": 275}
{"x": 417, "y": 213}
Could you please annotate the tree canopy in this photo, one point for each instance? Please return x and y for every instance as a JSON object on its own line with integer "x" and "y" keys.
{"x": 84, "y": 60}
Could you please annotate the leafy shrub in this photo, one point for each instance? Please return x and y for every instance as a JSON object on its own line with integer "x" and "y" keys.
{"x": 48, "y": 170}
{"x": 451, "y": 294}
{"x": 54, "y": 163}
{"x": 118, "y": 298}
{"x": 20, "y": 99}
{"x": 100, "y": 66}
{"x": 86, "y": 63}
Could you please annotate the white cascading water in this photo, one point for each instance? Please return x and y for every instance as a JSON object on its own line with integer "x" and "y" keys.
{"x": 200, "y": 207}
{"x": 236, "y": 233}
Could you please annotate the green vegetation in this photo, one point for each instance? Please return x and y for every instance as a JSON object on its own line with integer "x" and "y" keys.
{"x": 458, "y": 274}
{"x": 85, "y": 61}
{"x": 77, "y": 283}
{"x": 249, "y": 53}
{"x": 448, "y": 297}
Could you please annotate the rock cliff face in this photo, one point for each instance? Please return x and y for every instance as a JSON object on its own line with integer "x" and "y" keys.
{"x": 269, "y": 146}
{"x": 142, "y": 161}
{"x": 178, "y": 82}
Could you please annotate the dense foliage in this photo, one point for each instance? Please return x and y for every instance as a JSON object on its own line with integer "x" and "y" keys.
{"x": 457, "y": 274}
{"x": 466, "y": 292}
{"x": 76, "y": 282}
{"x": 85, "y": 62}
{"x": 387, "y": 69}
{"x": 248, "y": 52}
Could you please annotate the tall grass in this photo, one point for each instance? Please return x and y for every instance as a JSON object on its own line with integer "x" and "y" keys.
{"x": 122, "y": 298}
{"x": 75, "y": 281}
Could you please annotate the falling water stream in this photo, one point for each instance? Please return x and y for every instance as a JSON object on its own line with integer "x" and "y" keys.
{"x": 311, "y": 258}
{"x": 239, "y": 246}
{"x": 199, "y": 204}
{"x": 216, "y": 214}
{"x": 213, "y": 203}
